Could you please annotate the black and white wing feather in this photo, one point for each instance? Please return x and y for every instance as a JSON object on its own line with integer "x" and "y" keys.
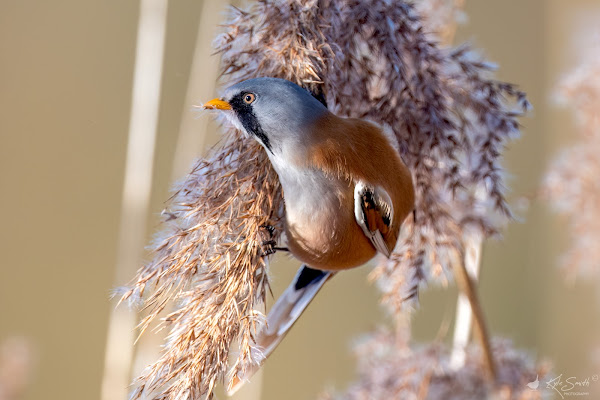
{"x": 374, "y": 213}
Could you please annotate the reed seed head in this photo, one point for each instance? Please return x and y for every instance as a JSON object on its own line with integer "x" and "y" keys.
{"x": 370, "y": 60}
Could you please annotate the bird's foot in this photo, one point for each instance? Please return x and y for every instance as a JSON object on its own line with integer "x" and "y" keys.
{"x": 268, "y": 229}
{"x": 269, "y": 246}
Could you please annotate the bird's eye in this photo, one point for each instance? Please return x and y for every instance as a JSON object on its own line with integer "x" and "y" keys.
{"x": 249, "y": 98}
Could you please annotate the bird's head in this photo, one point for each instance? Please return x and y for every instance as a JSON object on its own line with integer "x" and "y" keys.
{"x": 276, "y": 112}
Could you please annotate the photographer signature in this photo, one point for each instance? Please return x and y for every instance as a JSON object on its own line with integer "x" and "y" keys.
{"x": 570, "y": 385}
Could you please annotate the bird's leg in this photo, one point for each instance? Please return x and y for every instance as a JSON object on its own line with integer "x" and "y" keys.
{"x": 269, "y": 246}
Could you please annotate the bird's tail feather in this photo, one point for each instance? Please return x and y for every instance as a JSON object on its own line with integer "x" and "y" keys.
{"x": 284, "y": 313}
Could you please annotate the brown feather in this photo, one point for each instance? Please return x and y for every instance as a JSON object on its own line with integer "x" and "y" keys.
{"x": 360, "y": 149}
{"x": 351, "y": 150}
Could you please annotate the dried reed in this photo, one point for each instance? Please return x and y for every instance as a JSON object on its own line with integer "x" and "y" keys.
{"x": 389, "y": 369}
{"x": 365, "y": 59}
{"x": 209, "y": 261}
{"x": 571, "y": 183}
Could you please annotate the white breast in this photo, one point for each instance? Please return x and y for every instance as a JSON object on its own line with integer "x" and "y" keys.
{"x": 310, "y": 195}
{"x": 320, "y": 225}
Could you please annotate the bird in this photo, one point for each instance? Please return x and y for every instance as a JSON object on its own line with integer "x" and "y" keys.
{"x": 535, "y": 384}
{"x": 345, "y": 188}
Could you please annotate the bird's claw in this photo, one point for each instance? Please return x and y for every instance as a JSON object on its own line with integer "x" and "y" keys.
{"x": 269, "y": 246}
{"x": 269, "y": 228}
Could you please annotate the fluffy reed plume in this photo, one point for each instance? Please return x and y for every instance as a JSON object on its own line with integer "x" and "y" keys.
{"x": 572, "y": 183}
{"x": 389, "y": 369}
{"x": 208, "y": 259}
{"x": 364, "y": 59}
{"x": 373, "y": 60}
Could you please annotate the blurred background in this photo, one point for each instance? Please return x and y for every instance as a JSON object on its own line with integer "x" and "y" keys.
{"x": 69, "y": 106}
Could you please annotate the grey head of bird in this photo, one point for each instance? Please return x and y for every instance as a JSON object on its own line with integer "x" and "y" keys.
{"x": 277, "y": 112}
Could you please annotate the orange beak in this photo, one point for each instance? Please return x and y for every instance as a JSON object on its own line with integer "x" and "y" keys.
{"x": 217, "y": 104}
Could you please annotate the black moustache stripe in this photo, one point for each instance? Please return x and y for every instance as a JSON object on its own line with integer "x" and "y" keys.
{"x": 246, "y": 115}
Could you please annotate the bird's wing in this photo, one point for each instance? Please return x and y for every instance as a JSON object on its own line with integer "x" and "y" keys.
{"x": 283, "y": 315}
{"x": 374, "y": 212}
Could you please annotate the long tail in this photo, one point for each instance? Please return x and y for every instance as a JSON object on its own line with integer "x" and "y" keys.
{"x": 284, "y": 314}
